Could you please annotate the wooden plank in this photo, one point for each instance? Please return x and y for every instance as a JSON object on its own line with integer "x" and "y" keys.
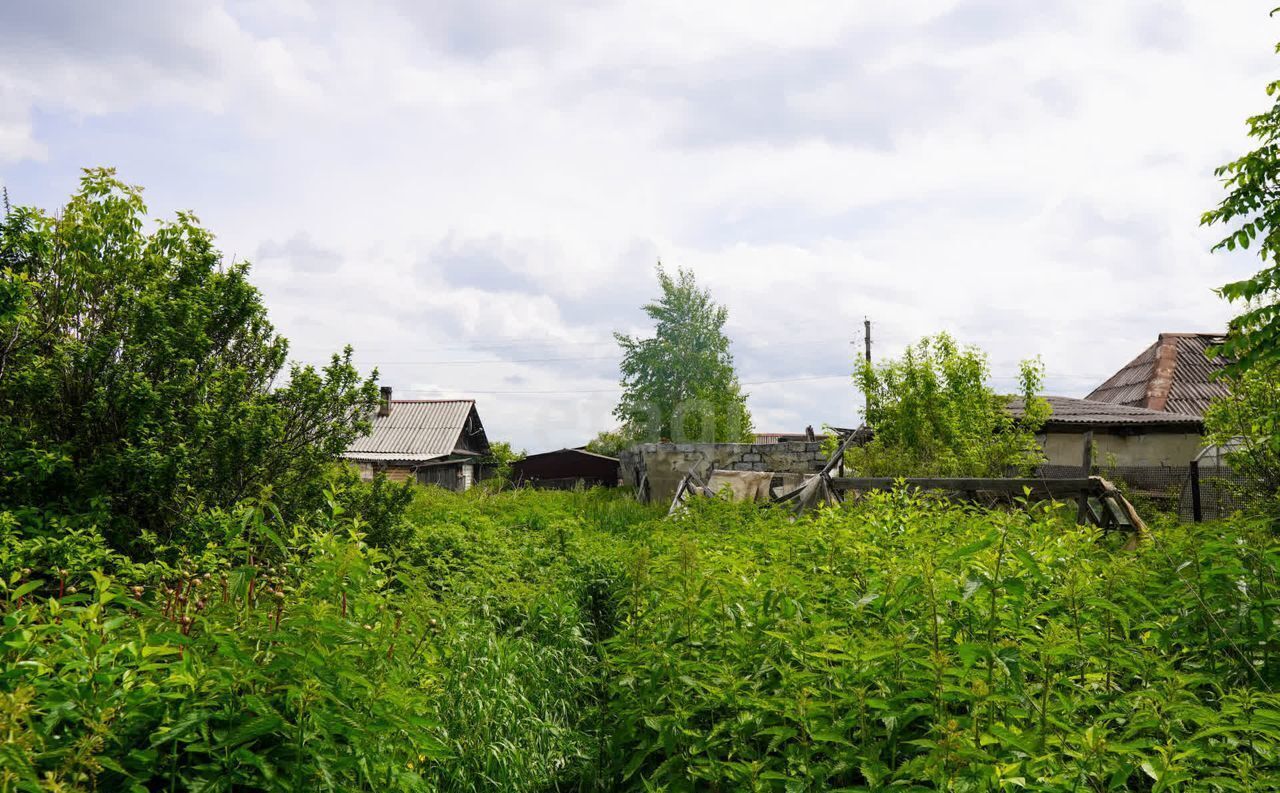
{"x": 1012, "y": 486}
{"x": 680, "y": 488}
{"x": 837, "y": 459}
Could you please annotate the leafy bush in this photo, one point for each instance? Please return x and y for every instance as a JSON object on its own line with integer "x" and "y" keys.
{"x": 138, "y": 376}
{"x": 499, "y": 462}
{"x": 379, "y": 504}
{"x": 548, "y": 640}
{"x": 910, "y": 643}
{"x": 933, "y": 414}
{"x": 611, "y": 443}
{"x": 1245, "y": 424}
{"x": 251, "y": 676}
{"x": 302, "y": 657}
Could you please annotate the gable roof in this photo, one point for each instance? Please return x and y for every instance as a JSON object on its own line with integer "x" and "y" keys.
{"x": 418, "y": 430}
{"x": 1073, "y": 414}
{"x": 568, "y": 452}
{"x": 1172, "y": 375}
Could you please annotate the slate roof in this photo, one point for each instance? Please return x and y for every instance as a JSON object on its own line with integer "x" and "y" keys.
{"x": 417, "y": 430}
{"x": 1081, "y": 414}
{"x": 1172, "y": 375}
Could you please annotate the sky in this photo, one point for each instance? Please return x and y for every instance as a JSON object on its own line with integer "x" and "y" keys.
{"x": 475, "y": 193}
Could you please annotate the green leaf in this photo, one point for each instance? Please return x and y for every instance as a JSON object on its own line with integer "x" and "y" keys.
{"x": 25, "y": 589}
{"x": 254, "y": 728}
{"x": 972, "y": 548}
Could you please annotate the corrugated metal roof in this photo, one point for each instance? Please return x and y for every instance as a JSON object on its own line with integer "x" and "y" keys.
{"x": 390, "y": 457}
{"x": 1091, "y": 413}
{"x": 1193, "y": 386}
{"x": 415, "y": 430}
{"x": 568, "y": 451}
{"x": 1172, "y": 375}
{"x": 1129, "y": 385}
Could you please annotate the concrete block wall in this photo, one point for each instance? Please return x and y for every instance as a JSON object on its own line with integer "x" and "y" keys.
{"x": 663, "y": 465}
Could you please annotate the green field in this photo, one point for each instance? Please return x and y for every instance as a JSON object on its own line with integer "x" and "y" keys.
{"x": 544, "y": 641}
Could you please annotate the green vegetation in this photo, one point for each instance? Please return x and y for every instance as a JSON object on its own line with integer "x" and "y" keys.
{"x": 933, "y": 414}
{"x": 300, "y": 657}
{"x": 610, "y": 443}
{"x": 1246, "y": 425}
{"x": 680, "y": 384}
{"x": 1252, "y": 212}
{"x": 534, "y": 640}
{"x": 193, "y": 596}
{"x": 502, "y": 457}
{"x": 138, "y": 380}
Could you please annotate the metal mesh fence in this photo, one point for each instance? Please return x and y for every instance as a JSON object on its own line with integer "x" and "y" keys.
{"x": 1169, "y": 488}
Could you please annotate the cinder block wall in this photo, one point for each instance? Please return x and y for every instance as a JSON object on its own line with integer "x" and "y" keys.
{"x": 665, "y": 464}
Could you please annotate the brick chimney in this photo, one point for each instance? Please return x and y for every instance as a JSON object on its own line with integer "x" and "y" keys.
{"x": 384, "y": 404}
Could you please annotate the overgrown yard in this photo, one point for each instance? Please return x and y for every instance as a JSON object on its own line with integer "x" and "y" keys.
{"x": 578, "y": 641}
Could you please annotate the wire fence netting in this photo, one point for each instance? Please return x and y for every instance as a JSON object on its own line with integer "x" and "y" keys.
{"x": 1170, "y": 488}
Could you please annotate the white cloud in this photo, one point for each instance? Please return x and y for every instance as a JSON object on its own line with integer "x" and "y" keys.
{"x": 488, "y": 181}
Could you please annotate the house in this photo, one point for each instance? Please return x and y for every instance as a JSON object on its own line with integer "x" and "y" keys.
{"x": 566, "y": 468}
{"x": 430, "y": 441}
{"x": 1123, "y": 435}
{"x": 1173, "y": 375}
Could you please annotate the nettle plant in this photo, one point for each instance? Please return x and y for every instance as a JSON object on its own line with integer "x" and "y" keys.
{"x": 909, "y": 643}
{"x": 288, "y": 667}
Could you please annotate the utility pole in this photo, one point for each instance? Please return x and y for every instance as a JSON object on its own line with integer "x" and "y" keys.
{"x": 866, "y": 334}
{"x": 866, "y": 329}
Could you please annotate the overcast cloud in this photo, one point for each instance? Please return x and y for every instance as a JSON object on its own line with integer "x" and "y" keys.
{"x": 474, "y": 193}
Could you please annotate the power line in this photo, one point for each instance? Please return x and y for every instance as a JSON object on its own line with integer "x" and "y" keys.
{"x": 615, "y": 390}
{"x": 493, "y": 361}
{"x": 481, "y": 345}
{"x": 574, "y": 359}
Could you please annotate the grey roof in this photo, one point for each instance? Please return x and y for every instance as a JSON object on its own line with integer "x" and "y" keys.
{"x": 1173, "y": 374}
{"x": 1069, "y": 412}
{"x": 416, "y": 430}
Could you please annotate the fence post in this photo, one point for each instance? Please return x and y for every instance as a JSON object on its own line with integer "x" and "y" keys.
{"x": 1082, "y": 507}
{"x": 1196, "y": 514}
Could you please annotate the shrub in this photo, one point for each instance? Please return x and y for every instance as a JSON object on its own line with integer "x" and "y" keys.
{"x": 933, "y": 414}
{"x": 138, "y": 377}
{"x": 268, "y": 677}
{"x": 1245, "y": 424}
{"x": 910, "y": 643}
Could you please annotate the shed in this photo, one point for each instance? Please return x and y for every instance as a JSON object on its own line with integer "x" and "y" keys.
{"x": 430, "y": 441}
{"x": 566, "y": 468}
{"x": 1173, "y": 375}
{"x": 1122, "y": 434}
